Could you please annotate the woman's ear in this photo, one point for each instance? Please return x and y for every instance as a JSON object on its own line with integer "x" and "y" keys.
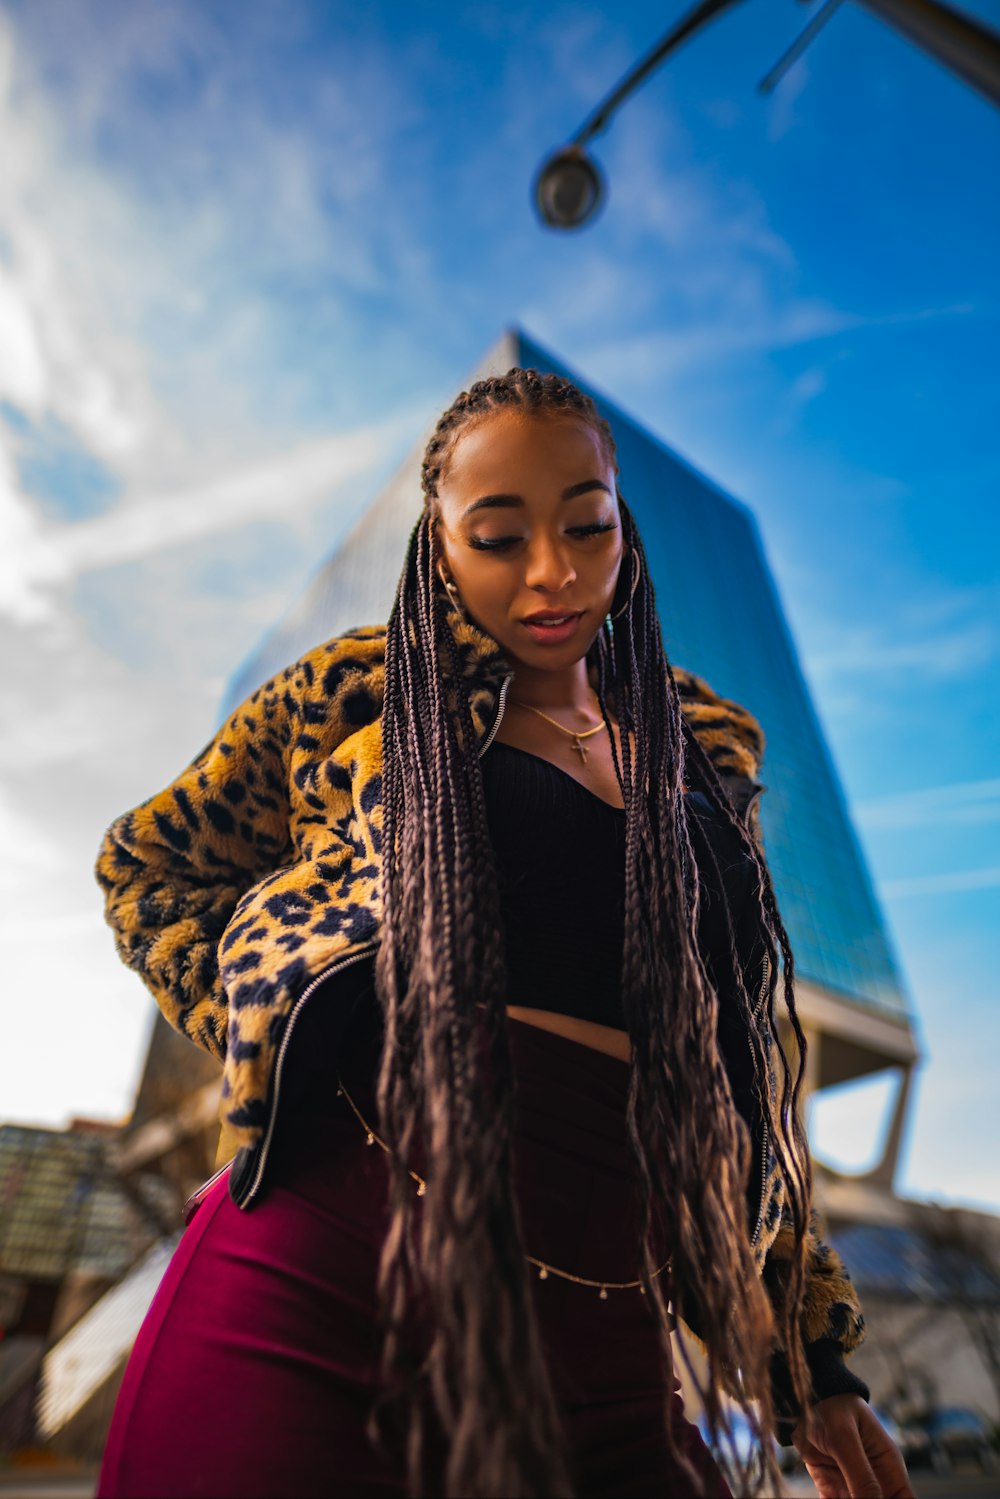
{"x": 436, "y": 531}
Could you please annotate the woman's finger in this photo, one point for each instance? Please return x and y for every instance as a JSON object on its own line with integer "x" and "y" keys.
{"x": 852, "y": 1459}
{"x": 890, "y": 1470}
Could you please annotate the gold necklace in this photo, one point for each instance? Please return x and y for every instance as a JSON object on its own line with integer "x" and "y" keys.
{"x": 544, "y": 1270}
{"x": 573, "y": 733}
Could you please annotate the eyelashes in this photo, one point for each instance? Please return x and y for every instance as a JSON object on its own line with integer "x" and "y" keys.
{"x": 480, "y": 544}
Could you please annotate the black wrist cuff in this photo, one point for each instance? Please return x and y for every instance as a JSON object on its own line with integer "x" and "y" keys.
{"x": 830, "y": 1376}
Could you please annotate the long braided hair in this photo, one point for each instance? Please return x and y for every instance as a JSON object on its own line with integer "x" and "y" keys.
{"x": 474, "y": 1385}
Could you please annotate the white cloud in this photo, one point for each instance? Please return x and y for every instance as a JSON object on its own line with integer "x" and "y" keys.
{"x": 129, "y": 307}
{"x": 866, "y": 650}
{"x": 953, "y": 883}
{"x": 664, "y": 197}
{"x": 807, "y": 386}
{"x": 57, "y": 221}
{"x": 37, "y": 557}
{"x": 30, "y": 854}
{"x": 85, "y": 738}
{"x": 22, "y": 368}
{"x": 28, "y": 563}
{"x": 754, "y": 319}
{"x": 273, "y": 487}
{"x": 147, "y": 282}
{"x": 939, "y": 1162}
{"x": 38, "y": 928}
{"x": 74, "y": 1042}
{"x": 781, "y": 113}
{"x": 968, "y": 802}
{"x": 141, "y": 310}
{"x": 847, "y": 1124}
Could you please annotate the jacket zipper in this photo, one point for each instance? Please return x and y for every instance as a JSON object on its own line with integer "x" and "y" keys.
{"x": 496, "y": 722}
{"x": 763, "y": 988}
{"x": 748, "y": 809}
{"x": 763, "y": 1152}
{"x": 265, "y": 1146}
{"x": 763, "y": 1183}
{"x": 200, "y": 1193}
{"x": 313, "y": 986}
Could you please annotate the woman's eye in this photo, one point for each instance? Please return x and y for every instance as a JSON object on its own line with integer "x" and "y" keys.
{"x": 482, "y": 544}
{"x": 595, "y": 530}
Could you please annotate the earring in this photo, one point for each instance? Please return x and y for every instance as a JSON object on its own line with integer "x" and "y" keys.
{"x": 636, "y": 573}
{"x": 450, "y": 589}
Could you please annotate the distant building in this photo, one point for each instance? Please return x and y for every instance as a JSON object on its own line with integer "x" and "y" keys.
{"x": 88, "y": 1217}
{"x": 70, "y": 1229}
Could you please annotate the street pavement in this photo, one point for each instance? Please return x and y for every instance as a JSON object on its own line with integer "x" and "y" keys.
{"x": 965, "y": 1484}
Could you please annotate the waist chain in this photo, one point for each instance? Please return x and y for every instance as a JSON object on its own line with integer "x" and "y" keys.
{"x": 544, "y": 1269}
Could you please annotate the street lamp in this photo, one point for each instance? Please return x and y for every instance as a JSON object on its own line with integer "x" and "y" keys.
{"x": 568, "y": 190}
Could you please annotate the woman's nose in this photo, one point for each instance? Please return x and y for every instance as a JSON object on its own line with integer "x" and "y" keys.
{"x": 549, "y": 567}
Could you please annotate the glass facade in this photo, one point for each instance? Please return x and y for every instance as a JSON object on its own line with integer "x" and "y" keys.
{"x": 721, "y": 618}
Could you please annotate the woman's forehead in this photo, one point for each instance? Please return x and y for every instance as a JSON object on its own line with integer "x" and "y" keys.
{"x": 492, "y": 454}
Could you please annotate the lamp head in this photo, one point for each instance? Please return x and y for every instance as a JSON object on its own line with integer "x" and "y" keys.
{"x": 568, "y": 190}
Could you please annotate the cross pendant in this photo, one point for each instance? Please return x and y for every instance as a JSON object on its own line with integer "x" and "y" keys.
{"x": 582, "y": 749}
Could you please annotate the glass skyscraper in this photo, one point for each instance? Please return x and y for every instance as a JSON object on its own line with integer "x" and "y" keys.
{"x": 722, "y": 618}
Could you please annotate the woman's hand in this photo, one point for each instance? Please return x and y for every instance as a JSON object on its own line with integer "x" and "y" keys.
{"x": 848, "y": 1453}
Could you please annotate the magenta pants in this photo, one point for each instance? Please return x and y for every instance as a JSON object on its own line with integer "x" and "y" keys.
{"x": 256, "y": 1365}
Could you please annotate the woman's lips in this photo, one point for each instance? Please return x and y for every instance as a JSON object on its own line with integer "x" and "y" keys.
{"x": 552, "y": 634}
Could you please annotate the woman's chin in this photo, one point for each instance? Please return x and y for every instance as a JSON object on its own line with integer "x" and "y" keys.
{"x": 522, "y": 649}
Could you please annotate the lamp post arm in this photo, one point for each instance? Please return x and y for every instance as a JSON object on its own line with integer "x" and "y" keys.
{"x": 797, "y": 48}
{"x": 702, "y": 13}
{"x": 967, "y": 46}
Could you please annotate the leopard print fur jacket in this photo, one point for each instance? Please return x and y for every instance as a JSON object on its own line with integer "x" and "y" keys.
{"x": 257, "y": 870}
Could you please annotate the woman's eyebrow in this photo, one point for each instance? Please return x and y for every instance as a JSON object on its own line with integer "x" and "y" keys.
{"x": 509, "y": 501}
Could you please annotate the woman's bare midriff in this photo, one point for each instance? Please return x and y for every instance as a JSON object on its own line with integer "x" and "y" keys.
{"x": 606, "y": 1038}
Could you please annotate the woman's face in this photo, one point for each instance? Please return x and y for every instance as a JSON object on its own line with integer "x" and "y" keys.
{"x": 529, "y": 521}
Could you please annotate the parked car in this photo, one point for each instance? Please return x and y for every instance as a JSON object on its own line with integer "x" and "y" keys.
{"x": 940, "y": 1438}
{"x": 890, "y": 1426}
{"x": 742, "y": 1440}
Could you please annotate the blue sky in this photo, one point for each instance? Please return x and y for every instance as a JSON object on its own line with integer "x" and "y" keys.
{"x": 247, "y": 252}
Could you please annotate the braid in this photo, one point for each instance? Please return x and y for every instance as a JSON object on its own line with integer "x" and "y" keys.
{"x": 462, "y": 1354}
{"x": 442, "y": 951}
{"x": 523, "y": 388}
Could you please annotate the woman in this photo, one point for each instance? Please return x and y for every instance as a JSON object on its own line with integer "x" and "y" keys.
{"x": 484, "y": 893}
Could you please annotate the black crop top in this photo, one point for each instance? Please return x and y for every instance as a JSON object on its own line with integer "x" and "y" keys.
{"x": 560, "y": 851}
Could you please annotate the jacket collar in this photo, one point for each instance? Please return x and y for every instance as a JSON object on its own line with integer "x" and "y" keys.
{"x": 484, "y": 668}
{"x": 481, "y": 658}
{"x": 731, "y": 736}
